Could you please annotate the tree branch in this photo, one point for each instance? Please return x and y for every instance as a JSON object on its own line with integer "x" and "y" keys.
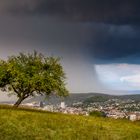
{"x": 15, "y": 90}
{"x": 26, "y": 96}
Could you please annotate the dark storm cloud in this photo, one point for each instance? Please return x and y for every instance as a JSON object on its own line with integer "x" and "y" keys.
{"x": 117, "y": 48}
{"x": 119, "y": 44}
{"x": 47, "y": 32}
{"x": 108, "y": 42}
{"x": 104, "y": 11}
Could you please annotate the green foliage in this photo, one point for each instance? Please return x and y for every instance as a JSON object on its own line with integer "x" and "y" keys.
{"x": 26, "y": 124}
{"x": 97, "y": 114}
{"x": 96, "y": 99}
{"x": 31, "y": 74}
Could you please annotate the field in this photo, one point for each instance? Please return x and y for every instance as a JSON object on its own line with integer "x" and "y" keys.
{"x": 29, "y": 124}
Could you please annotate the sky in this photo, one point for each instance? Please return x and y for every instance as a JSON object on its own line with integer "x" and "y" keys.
{"x": 98, "y": 40}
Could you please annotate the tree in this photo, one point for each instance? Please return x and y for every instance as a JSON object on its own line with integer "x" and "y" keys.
{"x": 97, "y": 114}
{"x": 32, "y": 74}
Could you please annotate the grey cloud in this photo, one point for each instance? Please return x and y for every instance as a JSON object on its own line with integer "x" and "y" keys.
{"x": 101, "y": 42}
{"x": 47, "y": 32}
{"x": 104, "y": 11}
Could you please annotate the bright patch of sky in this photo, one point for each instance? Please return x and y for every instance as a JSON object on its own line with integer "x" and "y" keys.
{"x": 119, "y": 76}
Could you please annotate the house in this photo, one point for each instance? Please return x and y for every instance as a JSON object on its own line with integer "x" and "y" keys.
{"x": 134, "y": 116}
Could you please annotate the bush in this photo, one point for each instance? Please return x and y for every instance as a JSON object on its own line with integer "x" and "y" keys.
{"x": 97, "y": 114}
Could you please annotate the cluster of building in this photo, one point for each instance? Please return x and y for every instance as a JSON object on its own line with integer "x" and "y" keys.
{"x": 65, "y": 109}
{"x": 112, "y": 108}
{"x": 62, "y": 108}
{"x": 115, "y": 108}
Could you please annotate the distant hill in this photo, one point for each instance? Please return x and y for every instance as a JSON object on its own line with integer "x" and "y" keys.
{"x": 72, "y": 98}
{"x": 78, "y": 97}
{"x": 135, "y": 97}
{"x": 105, "y": 97}
{"x": 81, "y": 97}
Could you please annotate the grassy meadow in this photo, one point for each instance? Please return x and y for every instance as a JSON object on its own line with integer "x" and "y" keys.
{"x": 29, "y": 124}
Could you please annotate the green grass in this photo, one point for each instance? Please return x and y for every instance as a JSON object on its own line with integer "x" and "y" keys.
{"x": 29, "y": 124}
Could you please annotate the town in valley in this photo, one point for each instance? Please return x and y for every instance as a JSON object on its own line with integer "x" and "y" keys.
{"x": 117, "y": 107}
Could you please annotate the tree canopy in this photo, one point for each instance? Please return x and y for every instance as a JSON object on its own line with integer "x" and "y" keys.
{"x": 30, "y": 74}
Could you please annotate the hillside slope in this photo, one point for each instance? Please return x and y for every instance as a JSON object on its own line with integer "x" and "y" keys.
{"x": 25, "y": 124}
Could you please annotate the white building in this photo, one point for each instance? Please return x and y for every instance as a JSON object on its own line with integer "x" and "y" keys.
{"x": 132, "y": 117}
{"x": 62, "y": 105}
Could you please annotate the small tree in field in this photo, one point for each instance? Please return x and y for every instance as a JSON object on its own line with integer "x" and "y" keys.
{"x": 27, "y": 75}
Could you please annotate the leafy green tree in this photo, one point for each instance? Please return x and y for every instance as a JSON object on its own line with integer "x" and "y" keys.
{"x": 32, "y": 74}
{"x": 97, "y": 114}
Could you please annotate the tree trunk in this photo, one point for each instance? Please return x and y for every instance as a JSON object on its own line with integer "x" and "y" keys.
{"x": 18, "y": 102}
